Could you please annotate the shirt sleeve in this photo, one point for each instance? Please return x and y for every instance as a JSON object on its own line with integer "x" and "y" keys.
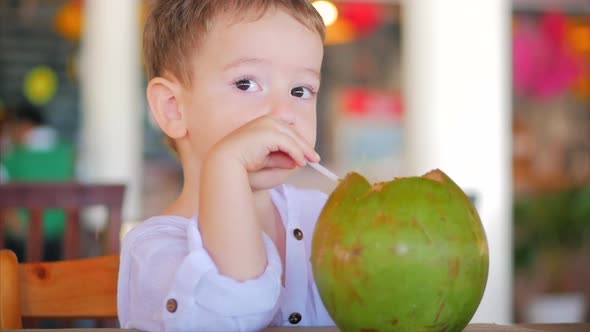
{"x": 167, "y": 281}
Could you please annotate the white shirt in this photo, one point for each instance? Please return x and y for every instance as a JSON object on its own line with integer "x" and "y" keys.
{"x": 168, "y": 281}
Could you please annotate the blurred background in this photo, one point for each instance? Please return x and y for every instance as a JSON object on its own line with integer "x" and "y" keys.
{"x": 495, "y": 93}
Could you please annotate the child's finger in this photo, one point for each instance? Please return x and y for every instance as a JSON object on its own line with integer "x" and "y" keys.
{"x": 280, "y": 160}
{"x": 288, "y": 145}
{"x": 308, "y": 151}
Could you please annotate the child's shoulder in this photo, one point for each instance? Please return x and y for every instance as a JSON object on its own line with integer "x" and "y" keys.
{"x": 158, "y": 226}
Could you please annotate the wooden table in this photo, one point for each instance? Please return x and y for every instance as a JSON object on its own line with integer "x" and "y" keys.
{"x": 471, "y": 328}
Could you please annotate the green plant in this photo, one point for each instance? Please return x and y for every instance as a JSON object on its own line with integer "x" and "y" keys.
{"x": 558, "y": 221}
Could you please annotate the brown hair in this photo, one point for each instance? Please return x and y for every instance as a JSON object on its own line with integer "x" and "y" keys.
{"x": 174, "y": 28}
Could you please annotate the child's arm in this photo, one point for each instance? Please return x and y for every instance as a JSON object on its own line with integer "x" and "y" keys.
{"x": 168, "y": 282}
{"x": 228, "y": 220}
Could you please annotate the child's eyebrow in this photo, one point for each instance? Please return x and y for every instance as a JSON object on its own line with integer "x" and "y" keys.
{"x": 260, "y": 61}
{"x": 246, "y": 61}
{"x": 315, "y": 73}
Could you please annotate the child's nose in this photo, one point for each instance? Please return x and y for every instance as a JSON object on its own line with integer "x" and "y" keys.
{"x": 283, "y": 111}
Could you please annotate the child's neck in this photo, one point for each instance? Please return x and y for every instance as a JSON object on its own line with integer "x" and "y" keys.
{"x": 187, "y": 203}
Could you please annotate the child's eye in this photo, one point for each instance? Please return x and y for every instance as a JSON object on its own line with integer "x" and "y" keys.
{"x": 247, "y": 85}
{"x": 302, "y": 92}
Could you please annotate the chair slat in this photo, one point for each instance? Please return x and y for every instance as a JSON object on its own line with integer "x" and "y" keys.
{"x": 10, "y": 314}
{"x": 72, "y": 239}
{"x": 2, "y": 226}
{"x": 35, "y": 239}
{"x": 114, "y": 232}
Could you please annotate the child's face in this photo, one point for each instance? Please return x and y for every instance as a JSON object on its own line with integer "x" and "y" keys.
{"x": 246, "y": 69}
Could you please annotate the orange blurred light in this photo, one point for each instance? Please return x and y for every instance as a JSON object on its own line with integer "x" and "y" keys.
{"x": 579, "y": 37}
{"x": 68, "y": 21}
{"x": 341, "y": 32}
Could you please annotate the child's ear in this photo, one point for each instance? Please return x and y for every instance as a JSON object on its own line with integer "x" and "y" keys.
{"x": 162, "y": 96}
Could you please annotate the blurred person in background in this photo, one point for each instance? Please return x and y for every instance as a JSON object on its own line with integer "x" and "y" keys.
{"x": 33, "y": 152}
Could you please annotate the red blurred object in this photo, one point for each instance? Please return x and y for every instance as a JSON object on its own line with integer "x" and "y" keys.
{"x": 367, "y": 103}
{"x": 554, "y": 27}
{"x": 365, "y": 17}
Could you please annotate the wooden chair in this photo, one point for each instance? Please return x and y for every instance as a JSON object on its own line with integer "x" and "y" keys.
{"x": 71, "y": 197}
{"x": 70, "y": 289}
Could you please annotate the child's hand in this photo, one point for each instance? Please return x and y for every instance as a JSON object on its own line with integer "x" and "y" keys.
{"x": 232, "y": 171}
{"x": 266, "y": 142}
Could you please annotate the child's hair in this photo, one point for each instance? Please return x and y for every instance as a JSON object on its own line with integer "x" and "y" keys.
{"x": 174, "y": 29}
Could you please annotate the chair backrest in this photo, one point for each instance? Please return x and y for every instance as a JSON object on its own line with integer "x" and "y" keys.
{"x": 70, "y": 289}
{"x": 69, "y": 196}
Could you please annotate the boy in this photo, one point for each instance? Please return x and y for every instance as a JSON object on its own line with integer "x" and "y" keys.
{"x": 233, "y": 85}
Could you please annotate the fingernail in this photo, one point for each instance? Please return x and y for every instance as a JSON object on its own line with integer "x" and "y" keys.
{"x": 317, "y": 156}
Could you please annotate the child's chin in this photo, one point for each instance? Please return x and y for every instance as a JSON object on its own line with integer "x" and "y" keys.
{"x": 269, "y": 178}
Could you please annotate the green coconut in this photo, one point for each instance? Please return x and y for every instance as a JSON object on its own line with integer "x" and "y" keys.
{"x": 406, "y": 255}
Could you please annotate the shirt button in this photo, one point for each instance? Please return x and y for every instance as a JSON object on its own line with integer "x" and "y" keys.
{"x": 171, "y": 305}
{"x": 294, "y": 318}
{"x": 298, "y": 234}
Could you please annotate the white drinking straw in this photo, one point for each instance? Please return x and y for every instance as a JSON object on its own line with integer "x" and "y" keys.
{"x": 324, "y": 171}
